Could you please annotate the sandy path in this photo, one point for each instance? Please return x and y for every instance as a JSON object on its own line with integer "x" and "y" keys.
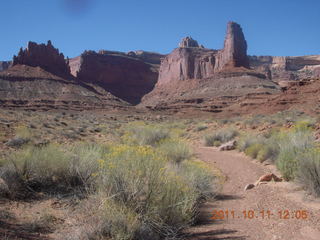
{"x": 239, "y": 171}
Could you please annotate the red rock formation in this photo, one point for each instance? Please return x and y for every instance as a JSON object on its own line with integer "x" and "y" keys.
{"x": 45, "y": 56}
{"x": 234, "y": 53}
{"x": 126, "y": 76}
{"x": 190, "y": 61}
{"x": 188, "y": 42}
{"x": 192, "y": 74}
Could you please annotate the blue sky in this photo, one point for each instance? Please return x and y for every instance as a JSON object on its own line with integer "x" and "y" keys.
{"x": 271, "y": 27}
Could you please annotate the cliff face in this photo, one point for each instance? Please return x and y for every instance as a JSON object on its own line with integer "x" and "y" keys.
{"x": 234, "y": 53}
{"x": 194, "y": 72}
{"x": 187, "y": 63}
{"x": 128, "y": 76}
{"x": 45, "y": 56}
{"x": 191, "y": 61}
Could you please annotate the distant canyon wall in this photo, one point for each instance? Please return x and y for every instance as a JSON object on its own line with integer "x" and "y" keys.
{"x": 287, "y": 68}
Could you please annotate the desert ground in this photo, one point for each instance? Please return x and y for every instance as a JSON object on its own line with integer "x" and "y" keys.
{"x": 51, "y": 198}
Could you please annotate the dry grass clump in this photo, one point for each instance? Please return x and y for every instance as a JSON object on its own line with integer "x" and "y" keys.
{"x": 291, "y": 145}
{"x": 52, "y": 168}
{"x": 284, "y": 147}
{"x": 146, "y": 134}
{"x": 175, "y": 151}
{"x": 308, "y": 173}
{"x": 219, "y": 137}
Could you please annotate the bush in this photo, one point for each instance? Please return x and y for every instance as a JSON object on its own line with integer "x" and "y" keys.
{"x": 253, "y": 150}
{"x": 221, "y": 136}
{"x": 23, "y": 132}
{"x": 268, "y": 151}
{"x": 165, "y": 196}
{"x": 199, "y": 178}
{"x": 246, "y": 141}
{"x": 175, "y": 151}
{"x": 309, "y": 171}
{"x": 146, "y": 135}
{"x": 44, "y": 166}
{"x": 119, "y": 221}
{"x": 53, "y": 168}
{"x": 291, "y": 145}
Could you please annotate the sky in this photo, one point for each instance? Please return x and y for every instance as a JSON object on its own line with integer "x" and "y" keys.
{"x": 271, "y": 27}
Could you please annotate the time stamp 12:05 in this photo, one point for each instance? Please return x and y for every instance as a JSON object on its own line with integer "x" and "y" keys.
{"x": 260, "y": 214}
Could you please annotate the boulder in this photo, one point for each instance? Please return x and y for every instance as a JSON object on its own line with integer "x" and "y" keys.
{"x": 231, "y": 145}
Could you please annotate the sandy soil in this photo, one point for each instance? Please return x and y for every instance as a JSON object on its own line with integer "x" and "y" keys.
{"x": 274, "y": 197}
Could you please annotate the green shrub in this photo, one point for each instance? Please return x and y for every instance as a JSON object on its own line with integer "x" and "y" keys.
{"x": 308, "y": 172}
{"x": 253, "y": 150}
{"x": 287, "y": 163}
{"x": 268, "y": 151}
{"x": 291, "y": 145}
{"x": 146, "y": 135}
{"x": 175, "y": 151}
{"x": 84, "y": 165}
{"x": 119, "y": 221}
{"x": 45, "y": 165}
{"x": 54, "y": 167}
{"x": 23, "y": 132}
{"x": 246, "y": 141}
{"x": 199, "y": 178}
{"x": 221, "y": 136}
{"x": 165, "y": 196}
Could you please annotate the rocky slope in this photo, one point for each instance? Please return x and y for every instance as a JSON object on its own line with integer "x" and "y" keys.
{"x": 128, "y": 76}
{"x": 34, "y": 88}
{"x": 200, "y": 76}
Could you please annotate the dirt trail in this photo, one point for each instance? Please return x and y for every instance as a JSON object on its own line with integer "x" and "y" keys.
{"x": 239, "y": 171}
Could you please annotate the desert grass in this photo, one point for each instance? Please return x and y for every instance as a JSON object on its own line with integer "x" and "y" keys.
{"x": 220, "y": 136}
{"x": 145, "y": 185}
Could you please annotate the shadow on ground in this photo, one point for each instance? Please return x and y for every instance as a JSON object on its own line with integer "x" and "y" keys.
{"x": 224, "y": 197}
{"x": 10, "y": 230}
{"x": 216, "y": 235}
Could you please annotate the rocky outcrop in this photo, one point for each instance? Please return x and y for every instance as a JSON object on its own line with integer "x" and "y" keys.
{"x": 234, "y": 53}
{"x": 187, "y": 63}
{"x": 231, "y": 145}
{"x": 128, "y": 76}
{"x": 45, "y": 56}
{"x": 190, "y": 61}
{"x": 4, "y": 65}
{"x": 188, "y": 42}
{"x": 191, "y": 74}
